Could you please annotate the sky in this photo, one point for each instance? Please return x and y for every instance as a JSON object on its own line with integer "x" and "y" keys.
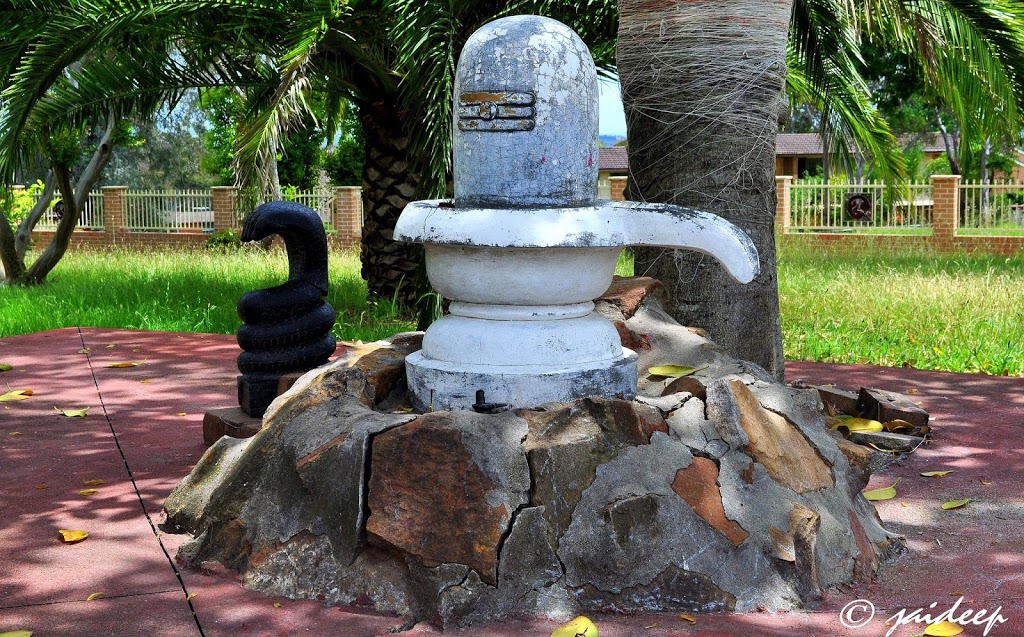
{"x": 611, "y": 119}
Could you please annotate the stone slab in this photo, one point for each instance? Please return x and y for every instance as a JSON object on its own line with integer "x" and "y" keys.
{"x": 232, "y": 422}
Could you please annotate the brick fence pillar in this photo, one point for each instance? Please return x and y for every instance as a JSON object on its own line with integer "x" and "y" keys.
{"x": 945, "y": 210}
{"x": 224, "y": 208}
{"x": 348, "y": 214}
{"x": 115, "y": 209}
{"x": 783, "y": 203}
{"x": 618, "y": 188}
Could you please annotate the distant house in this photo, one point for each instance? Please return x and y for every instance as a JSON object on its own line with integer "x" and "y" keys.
{"x": 611, "y": 162}
{"x": 795, "y": 154}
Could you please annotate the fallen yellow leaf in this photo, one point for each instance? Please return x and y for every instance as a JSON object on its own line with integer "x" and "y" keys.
{"x": 181, "y": 413}
{"x": 651, "y": 626}
{"x": 135, "y": 349}
{"x": 93, "y": 596}
{"x": 860, "y": 424}
{"x": 912, "y": 390}
{"x": 85, "y": 350}
{"x": 903, "y": 504}
{"x": 93, "y": 483}
{"x": 984, "y": 482}
{"x": 577, "y": 627}
{"x": 147, "y": 381}
{"x": 955, "y": 504}
{"x": 689, "y": 618}
{"x": 15, "y": 394}
{"x": 125, "y": 364}
{"x": 42, "y": 486}
{"x": 88, "y": 492}
{"x": 4, "y": 367}
{"x": 190, "y": 596}
{"x": 877, "y": 448}
{"x": 884, "y": 493}
{"x": 673, "y": 371}
{"x": 277, "y": 604}
{"x": 936, "y": 474}
{"x": 81, "y": 412}
{"x": 111, "y": 346}
{"x": 17, "y": 633}
{"x": 15, "y": 433}
{"x": 72, "y": 536}
{"x": 943, "y": 629}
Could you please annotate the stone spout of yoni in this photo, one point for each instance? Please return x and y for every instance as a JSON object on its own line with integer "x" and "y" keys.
{"x": 286, "y": 328}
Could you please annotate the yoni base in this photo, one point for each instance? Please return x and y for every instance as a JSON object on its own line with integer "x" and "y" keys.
{"x": 439, "y": 385}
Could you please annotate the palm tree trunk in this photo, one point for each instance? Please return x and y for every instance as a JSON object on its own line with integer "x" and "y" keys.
{"x": 389, "y": 183}
{"x": 702, "y": 85}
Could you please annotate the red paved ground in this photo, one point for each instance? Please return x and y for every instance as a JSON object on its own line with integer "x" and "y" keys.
{"x": 136, "y": 442}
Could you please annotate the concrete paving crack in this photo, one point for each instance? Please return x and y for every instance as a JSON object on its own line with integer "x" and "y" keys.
{"x": 135, "y": 487}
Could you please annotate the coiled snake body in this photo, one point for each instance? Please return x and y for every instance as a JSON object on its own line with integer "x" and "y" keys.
{"x": 286, "y": 328}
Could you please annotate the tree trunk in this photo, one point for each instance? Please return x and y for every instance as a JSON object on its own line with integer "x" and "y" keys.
{"x": 391, "y": 268}
{"x": 702, "y": 85}
{"x": 74, "y": 199}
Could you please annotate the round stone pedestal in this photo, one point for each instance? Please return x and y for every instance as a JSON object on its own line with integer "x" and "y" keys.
{"x": 441, "y": 385}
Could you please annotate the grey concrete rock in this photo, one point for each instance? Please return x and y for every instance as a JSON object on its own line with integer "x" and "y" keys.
{"x": 670, "y": 502}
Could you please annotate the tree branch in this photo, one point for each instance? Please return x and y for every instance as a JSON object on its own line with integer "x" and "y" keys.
{"x": 28, "y": 224}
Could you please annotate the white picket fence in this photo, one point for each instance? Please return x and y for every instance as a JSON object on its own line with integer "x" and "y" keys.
{"x": 91, "y": 218}
{"x": 996, "y": 207}
{"x": 866, "y": 207}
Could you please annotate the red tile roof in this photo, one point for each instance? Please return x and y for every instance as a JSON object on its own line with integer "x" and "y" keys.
{"x": 612, "y": 159}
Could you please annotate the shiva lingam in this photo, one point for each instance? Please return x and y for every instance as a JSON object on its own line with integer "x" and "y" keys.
{"x": 525, "y": 246}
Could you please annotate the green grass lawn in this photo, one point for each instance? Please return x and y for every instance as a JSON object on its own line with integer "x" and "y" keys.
{"x": 185, "y": 291}
{"x": 961, "y": 313}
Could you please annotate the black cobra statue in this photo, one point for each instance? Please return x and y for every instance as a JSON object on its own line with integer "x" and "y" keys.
{"x": 286, "y": 328}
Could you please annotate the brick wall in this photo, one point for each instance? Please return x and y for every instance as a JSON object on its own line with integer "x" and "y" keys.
{"x": 618, "y": 188}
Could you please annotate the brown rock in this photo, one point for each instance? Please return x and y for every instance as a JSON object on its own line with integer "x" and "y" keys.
{"x": 630, "y": 339}
{"x": 687, "y": 384}
{"x": 866, "y": 562}
{"x": 860, "y": 459}
{"x": 698, "y": 486}
{"x": 231, "y": 422}
{"x": 627, "y": 293}
{"x": 803, "y": 527}
{"x": 285, "y": 382}
{"x": 778, "y": 445}
{"x": 429, "y": 496}
{"x": 884, "y": 406}
{"x": 838, "y": 401}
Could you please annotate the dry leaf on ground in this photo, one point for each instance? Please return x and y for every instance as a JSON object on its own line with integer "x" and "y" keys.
{"x": 93, "y": 596}
{"x": 936, "y": 474}
{"x": 955, "y": 504}
{"x": 689, "y": 618}
{"x": 124, "y": 364}
{"x": 93, "y": 483}
{"x": 673, "y": 371}
{"x": 576, "y": 627}
{"x": 15, "y": 394}
{"x": 884, "y": 493}
{"x": 71, "y": 536}
{"x": 17, "y": 633}
{"x": 943, "y": 629}
{"x": 85, "y": 350}
{"x": 88, "y": 492}
{"x": 80, "y": 412}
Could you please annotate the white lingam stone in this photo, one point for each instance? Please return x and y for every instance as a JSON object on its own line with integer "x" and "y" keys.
{"x": 525, "y": 246}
